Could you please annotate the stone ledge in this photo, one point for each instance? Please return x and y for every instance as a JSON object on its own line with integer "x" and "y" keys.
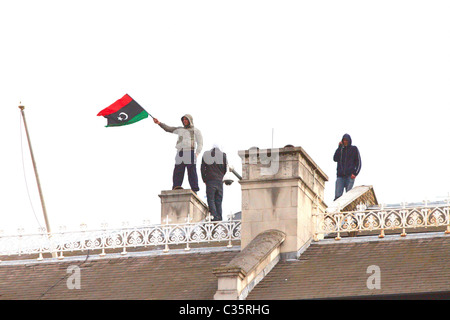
{"x": 178, "y": 205}
{"x": 285, "y": 152}
{"x": 351, "y": 199}
{"x": 252, "y": 263}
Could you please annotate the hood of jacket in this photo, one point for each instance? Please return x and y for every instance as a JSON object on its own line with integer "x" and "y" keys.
{"x": 349, "y": 139}
{"x": 191, "y": 121}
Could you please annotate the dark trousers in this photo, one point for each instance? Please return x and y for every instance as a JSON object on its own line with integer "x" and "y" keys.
{"x": 185, "y": 160}
{"x": 214, "y": 196}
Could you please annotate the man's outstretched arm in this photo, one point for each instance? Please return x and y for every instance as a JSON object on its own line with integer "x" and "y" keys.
{"x": 164, "y": 126}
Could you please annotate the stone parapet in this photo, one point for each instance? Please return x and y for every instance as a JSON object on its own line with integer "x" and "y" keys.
{"x": 178, "y": 205}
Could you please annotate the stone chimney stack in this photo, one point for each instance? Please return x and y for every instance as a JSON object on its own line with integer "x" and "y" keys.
{"x": 281, "y": 189}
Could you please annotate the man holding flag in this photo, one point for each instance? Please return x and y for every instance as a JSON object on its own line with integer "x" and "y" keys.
{"x": 189, "y": 145}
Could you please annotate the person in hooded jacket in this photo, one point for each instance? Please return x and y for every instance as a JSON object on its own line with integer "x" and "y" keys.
{"x": 348, "y": 165}
{"x": 213, "y": 169}
{"x": 189, "y": 145}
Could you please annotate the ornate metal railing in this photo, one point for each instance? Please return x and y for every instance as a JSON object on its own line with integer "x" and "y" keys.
{"x": 164, "y": 235}
{"x": 383, "y": 219}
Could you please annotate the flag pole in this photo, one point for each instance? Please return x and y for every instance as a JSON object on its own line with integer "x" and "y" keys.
{"x": 47, "y": 224}
{"x": 149, "y": 114}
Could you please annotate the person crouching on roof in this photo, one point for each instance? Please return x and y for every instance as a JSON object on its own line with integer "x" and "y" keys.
{"x": 189, "y": 145}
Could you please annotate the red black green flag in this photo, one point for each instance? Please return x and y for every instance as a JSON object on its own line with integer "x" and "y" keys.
{"x": 122, "y": 112}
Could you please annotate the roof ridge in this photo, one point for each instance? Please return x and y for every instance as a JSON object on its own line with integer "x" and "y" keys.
{"x": 130, "y": 254}
{"x": 375, "y": 238}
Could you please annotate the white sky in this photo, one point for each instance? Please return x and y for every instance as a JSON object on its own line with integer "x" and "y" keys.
{"x": 312, "y": 70}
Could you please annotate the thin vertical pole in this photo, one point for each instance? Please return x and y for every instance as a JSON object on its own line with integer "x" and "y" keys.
{"x": 47, "y": 224}
{"x": 272, "y": 138}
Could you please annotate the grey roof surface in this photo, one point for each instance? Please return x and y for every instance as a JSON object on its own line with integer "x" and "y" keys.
{"x": 174, "y": 276}
{"x": 331, "y": 269}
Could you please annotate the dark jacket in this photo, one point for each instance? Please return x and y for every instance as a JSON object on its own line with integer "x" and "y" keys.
{"x": 214, "y": 165}
{"x": 348, "y": 159}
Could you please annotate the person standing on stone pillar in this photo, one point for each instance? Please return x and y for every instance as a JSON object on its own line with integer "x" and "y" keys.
{"x": 189, "y": 145}
{"x": 348, "y": 165}
{"x": 213, "y": 169}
